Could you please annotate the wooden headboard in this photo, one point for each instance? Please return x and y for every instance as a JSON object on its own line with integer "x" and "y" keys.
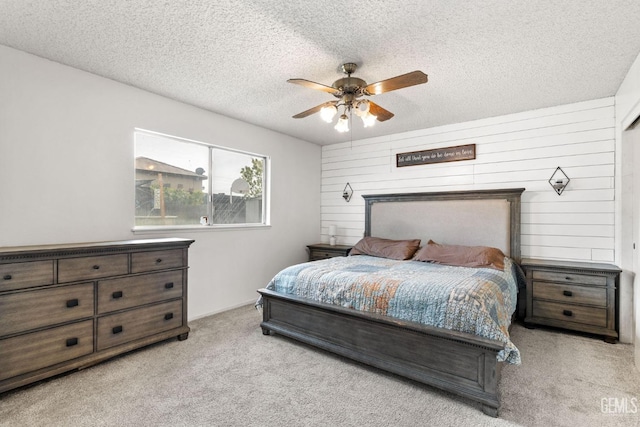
{"x": 473, "y": 218}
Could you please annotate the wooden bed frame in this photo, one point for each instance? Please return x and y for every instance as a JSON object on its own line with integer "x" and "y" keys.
{"x": 461, "y": 363}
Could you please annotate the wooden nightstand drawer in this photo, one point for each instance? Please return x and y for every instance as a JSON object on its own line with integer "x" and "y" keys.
{"x": 30, "y": 310}
{"x": 29, "y": 352}
{"x": 323, "y": 255}
{"x": 127, "y": 292}
{"x": 94, "y": 267}
{"x": 22, "y": 275}
{"x": 324, "y": 251}
{"x": 571, "y": 313}
{"x": 567, "y": 277}
{"x": 156, "y": 260}
{"x": 572, "y": 294}
{"x": 130, "y": 325}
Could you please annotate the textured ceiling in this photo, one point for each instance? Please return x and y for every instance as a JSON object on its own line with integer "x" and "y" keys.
{"x": 484, "y": 58}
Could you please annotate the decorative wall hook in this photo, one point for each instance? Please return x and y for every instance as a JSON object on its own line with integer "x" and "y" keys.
{"x": 347, "y": 192}
{"x": 559, "y": 180}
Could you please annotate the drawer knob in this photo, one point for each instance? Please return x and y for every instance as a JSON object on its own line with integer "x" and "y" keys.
{"x": 117, "y": 330}
{"x": 6, "y": 277}
{"x": 73, "y": 302}
{"x": 158, "y": 261}
{"x": 168, "y": 285}
{"x": 96, "y": 267}
{"x": 168, "y": 316}
{"x": 567, "y": 293}
{"x": 72, "y": 341}
{"x": 116, "y": 294}
{"x": 568, "y": 278}
{"x": 568, "y": 313}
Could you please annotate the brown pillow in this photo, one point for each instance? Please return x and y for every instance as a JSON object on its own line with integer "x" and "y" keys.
{"x": 463, "y": 256}
{"x": 386, "y": 248}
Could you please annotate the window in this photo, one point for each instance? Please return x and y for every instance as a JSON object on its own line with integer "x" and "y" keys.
{"x": 180, "y": 182}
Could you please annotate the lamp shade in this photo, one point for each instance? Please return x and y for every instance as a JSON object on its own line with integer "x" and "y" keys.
{"x": 327, "y": 113}
{"x": 343, "y": 124}
{"x": 368, "y": 119}
{"x": 333, "y": 230}
{"x": 362, "y": 108}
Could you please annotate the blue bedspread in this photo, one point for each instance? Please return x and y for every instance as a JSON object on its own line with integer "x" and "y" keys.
{"x": 479, "y": 301}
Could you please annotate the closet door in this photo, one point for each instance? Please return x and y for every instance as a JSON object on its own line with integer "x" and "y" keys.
{"x": 631, "y": 140}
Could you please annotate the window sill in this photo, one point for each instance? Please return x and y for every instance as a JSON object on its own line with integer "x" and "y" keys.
{"x": 151, "y": 229}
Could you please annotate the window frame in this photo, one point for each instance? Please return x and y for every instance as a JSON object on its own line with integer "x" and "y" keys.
{"x": 266, "y": 184}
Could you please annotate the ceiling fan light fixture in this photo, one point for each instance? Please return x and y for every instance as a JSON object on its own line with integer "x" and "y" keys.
{"x": 328, "y": 112}
{"x": 368, "y": 119}
{"x": 343, "y": 124}
{"x": 350, "y": 89}
{"x": 362, "y": 108}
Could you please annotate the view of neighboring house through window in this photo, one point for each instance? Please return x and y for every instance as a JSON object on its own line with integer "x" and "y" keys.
{"x": 182, "y": 182}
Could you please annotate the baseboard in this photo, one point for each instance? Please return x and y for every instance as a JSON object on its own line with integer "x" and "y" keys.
{"x": 222, "y": 310}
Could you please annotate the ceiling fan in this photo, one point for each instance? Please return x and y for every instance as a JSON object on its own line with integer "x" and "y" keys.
{"x": 350, "y": 90}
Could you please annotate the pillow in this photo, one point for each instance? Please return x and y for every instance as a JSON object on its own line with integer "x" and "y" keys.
{"x": 463, "y": 256}
{"x": 386, "y": 248}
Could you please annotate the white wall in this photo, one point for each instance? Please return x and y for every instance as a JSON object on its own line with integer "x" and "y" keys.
{"x": 518, "y": 150}
{"x": 66, "y": 168}
{"x": 628, "y": 197}
{"x": 513, "y": 151}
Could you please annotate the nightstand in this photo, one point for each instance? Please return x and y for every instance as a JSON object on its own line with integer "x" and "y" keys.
{"x": 579, "y": 296}
{"x": 325, "y": 250}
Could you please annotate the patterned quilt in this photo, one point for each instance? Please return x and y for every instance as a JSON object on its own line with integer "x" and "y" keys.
{"x": 479, "y": 301}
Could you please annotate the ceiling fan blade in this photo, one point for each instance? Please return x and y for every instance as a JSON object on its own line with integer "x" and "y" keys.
{"x": 410, "y": 79}
{"x": 380, "y": 113}
{"x": 315, "y": 109}
{"x": 314, "y": 85}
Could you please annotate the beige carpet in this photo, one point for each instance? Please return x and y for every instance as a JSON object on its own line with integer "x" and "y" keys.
{"x": 228, "y": 374}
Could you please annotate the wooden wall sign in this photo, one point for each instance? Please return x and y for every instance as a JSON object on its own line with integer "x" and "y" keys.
{"x": 438, "y": 155}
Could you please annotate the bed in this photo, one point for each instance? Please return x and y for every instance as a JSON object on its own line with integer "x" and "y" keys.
{"x": 459, "y": 362}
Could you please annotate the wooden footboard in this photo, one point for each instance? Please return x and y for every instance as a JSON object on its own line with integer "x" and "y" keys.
{"x": 461, "y": 363}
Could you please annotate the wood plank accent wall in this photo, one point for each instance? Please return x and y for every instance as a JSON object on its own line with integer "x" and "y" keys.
{"x": 517, "y": 150}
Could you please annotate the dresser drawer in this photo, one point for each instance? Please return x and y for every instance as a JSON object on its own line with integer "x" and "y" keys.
{"x": 156, "y": 260}
{"x": 127, "y": 292}
{"x": 43, "y": 307}
{"x": 22, "y": 275}
{"x": 57, "y": 302}
{"x": 570, "y": 313}
{"x": 570, "y": 293}
{"x": 566, "y": 277}
{"x": 87, "y": 268}
{"x": 131, "y": 325}
{"x": 29, "y": 352}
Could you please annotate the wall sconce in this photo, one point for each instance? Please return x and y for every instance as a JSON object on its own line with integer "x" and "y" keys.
{"x": 347, "y": 192}
{"x": 559, "y": 180}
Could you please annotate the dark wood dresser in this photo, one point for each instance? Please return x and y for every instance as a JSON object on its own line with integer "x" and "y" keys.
{"x": 324, "y": 250}
{"x": 64, "y": 307}
{"x": 573, "y": 295}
